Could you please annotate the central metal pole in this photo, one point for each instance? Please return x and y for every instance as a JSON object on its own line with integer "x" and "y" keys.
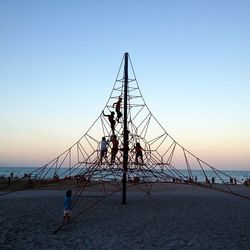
{"x": 125, "y": 131}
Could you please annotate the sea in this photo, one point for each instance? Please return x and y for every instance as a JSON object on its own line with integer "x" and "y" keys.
{"x": 240, "y": 175}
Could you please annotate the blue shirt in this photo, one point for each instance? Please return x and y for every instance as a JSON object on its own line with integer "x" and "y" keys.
{"x": 67, "y": 203}
{"x": 104, "y": 145}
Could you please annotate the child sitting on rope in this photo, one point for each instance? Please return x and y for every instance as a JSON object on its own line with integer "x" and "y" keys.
{"x": 111, "y": 120}
{"x": 67, "y": 207}
{"x": 138, "y": 152}
{"x": 118, "y": 109}
{"x": 104, "y": 150}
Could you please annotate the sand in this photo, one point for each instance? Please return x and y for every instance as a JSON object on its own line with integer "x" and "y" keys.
{"x": 171, "y": 217}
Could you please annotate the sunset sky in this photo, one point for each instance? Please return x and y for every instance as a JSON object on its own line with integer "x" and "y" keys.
{"x": 59, "y": 60}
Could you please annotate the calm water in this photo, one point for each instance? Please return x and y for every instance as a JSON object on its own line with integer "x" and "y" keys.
{"x": 239, "y": 175}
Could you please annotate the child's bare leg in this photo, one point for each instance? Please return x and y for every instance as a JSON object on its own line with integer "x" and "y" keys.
{"x": 64, "y": 219}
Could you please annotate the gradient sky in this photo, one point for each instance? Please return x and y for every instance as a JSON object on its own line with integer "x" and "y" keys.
{"x": 59, "y": 60}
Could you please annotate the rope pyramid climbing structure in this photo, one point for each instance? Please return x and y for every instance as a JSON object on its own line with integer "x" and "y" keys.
{"x": 139, "y": 150}
{"x": 126, "y": 146}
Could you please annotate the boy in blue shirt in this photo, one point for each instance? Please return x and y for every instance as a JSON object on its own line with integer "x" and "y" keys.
{"x": 67, "y": 207}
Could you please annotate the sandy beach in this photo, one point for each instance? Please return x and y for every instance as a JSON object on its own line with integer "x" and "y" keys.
{"x": 172, "y": 217}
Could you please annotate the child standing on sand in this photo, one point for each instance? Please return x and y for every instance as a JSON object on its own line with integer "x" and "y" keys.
{"x": 67, "y": 207}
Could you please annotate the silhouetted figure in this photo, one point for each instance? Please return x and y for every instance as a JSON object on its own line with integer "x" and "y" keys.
{"x": 104, "y": 149}
{"x": 114, "y": 149}
{"x": 231, "y": 180}
{"x": 111, "y": 118}
{"x": 138, "y": 152}
{"x": 56, "y": 177}
{"x": 118, "y": 109}
{"x": 247, "y": 182}
{"x": 213, "y": 179}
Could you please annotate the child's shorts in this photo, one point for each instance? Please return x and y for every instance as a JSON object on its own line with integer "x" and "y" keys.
{"x": 67, "y": 212}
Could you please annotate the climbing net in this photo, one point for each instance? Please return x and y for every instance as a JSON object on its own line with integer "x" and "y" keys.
{"x": 161, "y": 158}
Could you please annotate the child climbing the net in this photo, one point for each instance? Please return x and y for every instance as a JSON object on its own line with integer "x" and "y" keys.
{"x": 117, "y": 106}
{"x": 111, "y": 119}
{"x": 114, "y": 149}
{"x": 138, "y": 152}
{"x": 104, "y": 150}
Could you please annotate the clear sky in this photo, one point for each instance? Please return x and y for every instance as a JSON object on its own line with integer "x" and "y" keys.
{"x": 59, "y": 60}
